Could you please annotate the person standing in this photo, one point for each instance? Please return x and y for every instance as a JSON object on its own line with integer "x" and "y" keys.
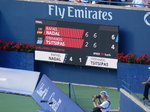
{"x": 146, "y": 89}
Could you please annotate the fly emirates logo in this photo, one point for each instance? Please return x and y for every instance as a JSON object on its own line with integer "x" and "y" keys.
{"x": 84, "y": 13}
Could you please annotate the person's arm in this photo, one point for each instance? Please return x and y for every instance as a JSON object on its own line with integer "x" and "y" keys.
{"x": 99, "y": 101}
{"x": 96, "y": 104}
{"x": 147, "y": 82}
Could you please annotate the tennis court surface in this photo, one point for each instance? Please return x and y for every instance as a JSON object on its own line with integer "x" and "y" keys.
{"x": 17, "y": 103}
{"x": 20, "y": 103}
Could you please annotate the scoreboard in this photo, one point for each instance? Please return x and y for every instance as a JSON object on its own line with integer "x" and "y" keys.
{"x": 75, "y": 43}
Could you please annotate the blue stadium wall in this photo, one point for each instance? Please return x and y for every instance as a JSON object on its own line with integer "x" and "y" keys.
{"x": 17, "y": 23}
{"x": 130, "y": 103}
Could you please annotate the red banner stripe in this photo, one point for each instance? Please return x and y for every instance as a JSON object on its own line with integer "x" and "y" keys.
{"x": 63, "y": 42}
{"x": 63, "y": 32}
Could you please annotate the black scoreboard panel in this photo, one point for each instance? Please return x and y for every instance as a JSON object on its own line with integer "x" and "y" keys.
{"x": 76, "y": 43}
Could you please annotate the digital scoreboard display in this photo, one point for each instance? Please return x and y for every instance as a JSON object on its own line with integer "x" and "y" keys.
{"x": 76, "y": 43}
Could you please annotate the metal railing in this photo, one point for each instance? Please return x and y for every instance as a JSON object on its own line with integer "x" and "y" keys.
{"x": 127, "y": 87}
{"x": 72, "y": 92}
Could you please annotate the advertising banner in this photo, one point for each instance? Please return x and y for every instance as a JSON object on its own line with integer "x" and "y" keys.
{"x": 18, "y": 81}
{"x": 51, "y": 98}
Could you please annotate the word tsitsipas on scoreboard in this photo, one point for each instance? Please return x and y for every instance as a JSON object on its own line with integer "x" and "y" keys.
{"x": 76, "y": 43}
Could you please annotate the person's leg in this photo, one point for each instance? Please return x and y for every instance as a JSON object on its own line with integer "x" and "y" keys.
{"x": 147, "y": 86}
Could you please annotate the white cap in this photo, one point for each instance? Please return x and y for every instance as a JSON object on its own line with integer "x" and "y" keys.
{"x": 104, "y": 93}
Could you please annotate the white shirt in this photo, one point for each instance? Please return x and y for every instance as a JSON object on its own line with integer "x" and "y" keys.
{"x": 106, "y": 106}
{"x": 138, "y": 2}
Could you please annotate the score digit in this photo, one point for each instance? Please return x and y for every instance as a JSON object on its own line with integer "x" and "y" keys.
{"x": 95, "y": 45}
{"x": 95, "y": 35}
{"x": 80, "y": 59}
{"x": 87, "y": 34}
{"x": 86, "y": 44}
{"x": 113, "y": 37}
{"x": 71, "y": 59}
{"x": 113, "y": 47}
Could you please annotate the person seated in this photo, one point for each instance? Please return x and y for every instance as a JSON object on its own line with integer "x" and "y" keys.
{"x": 138, "y": 3}
{"x": 79, "y": 1}
{"x": 147, "y": 3}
